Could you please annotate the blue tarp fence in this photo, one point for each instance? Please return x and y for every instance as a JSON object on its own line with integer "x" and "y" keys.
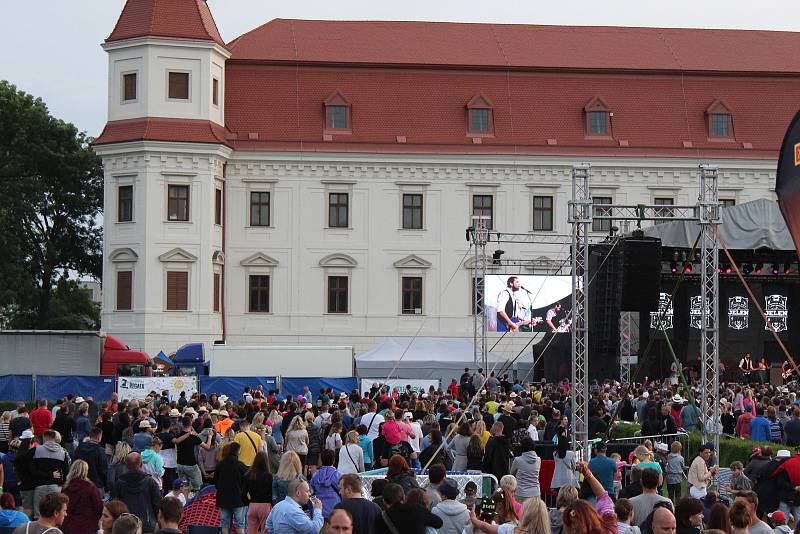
{"x": 56, "y": 387}
{"x": 16, "y": 387}
{"x": 294, "y": 385}
{"x": 233, "y": 386}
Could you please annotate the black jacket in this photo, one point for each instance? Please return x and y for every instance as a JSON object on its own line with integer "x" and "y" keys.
{"x": 408, "y": 519}
{"x": 47, "y": 459}
{"x": 407, "y": 481}
{"x": 229, "y": 480}
{"x": 497, "y": 456}
{"x": 94, "y": 454}
{"x": 141, "y": 495}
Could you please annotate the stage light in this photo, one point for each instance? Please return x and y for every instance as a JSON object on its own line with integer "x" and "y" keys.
{"x": 683, "y": 256}
{"x": 787, "y": 268}
{"x": 676, "y": 256}
{"x": 687, "y": 267}
{"x": 673, "y": 267}
{"x": 728, "y": 269}
{"x": 759, "y": 268}
{"x": 776, "y": 269}
{"x": 747, "y": 268}
{"x": 497, "y": 255}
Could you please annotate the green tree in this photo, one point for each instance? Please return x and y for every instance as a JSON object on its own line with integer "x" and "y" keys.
{"x": 51, "y": 197}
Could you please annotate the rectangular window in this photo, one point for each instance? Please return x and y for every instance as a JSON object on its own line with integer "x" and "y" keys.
{"x": 666, "y": 211}
{"x": 483, "y": 206}
{"x": 720, "y": 125}
{"x": 601, "y": 225}
{"x": 129, "y": 87}
{"x": 125, "y": 203}
{"x": 218, "y": 206}
{"x": 727, "y": 202}
{"x": 178, "y": 203}
{"x": 480, "y": 120}
{"x": 412, "y": 295}
{"x": 215, "y": 91}
{"x": 412, "y": 211}
{"x": 217, "y": 289}
{"x": 598, "y": 122}
{"x": 337, "y": 294}
{"x": 177, "y": 290}
{"x": 337, "y": 117}
{"x": 476, "y": 306}
{"x": 259, "y": 208}
{"x": 179, "y": 85}
{"x": 259, "y": 293}
{"x": 543, "y": 213}
{"x": 124, "y": 290}
{"x": 338, "y": 208}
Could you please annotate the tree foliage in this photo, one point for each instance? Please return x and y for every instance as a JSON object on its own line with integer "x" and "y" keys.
{"x": 51, "y": 197}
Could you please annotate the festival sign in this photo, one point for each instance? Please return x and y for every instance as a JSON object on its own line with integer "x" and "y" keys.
{"x": 777, "y": 312}
{"x": 659, "y": 322}
{"x": 138, "y": 387}
{"x": 738, "y": 313}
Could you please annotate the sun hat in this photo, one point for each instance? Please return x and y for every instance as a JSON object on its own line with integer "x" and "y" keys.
{"x": 677, "y": 398}
{"x": 144, "y": 424}
{"x": 223, "y": 413}
{"x": 174, "y": 413}
{"x": 26, "y": 434}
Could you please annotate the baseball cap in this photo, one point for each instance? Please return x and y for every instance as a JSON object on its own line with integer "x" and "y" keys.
{"x": 783, "y": 453}
{"x": 408, "y": 415}
{"x": 26, "y": 434}
{"x": 777, "y": 517}
{"x": 180, "y": 483}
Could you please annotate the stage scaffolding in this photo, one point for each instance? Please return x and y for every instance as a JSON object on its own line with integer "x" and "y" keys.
{"x": 581, "y": 214}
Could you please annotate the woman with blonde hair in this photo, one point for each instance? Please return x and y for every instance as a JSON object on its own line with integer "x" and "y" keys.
{"x": 314, "y": 444}
{"x": 296, "y": 439}
{"x": 289, "y": 469}
{"x": 534, "y": 520}
{"x": 268, "y": 446}
{"x": 118, "y": 465}
{"x": 276, "y": 420}
{"x": 227, "y": 439}
{"x": 334, "y": 440}
{"x": 258, "y": 419}
{"x": 481, "y": 432}
{"x": 351, "y": 455}
{"x": 85, "y": 504}
{"x": 508, "y": 483}
{"x": 5, "y": 421}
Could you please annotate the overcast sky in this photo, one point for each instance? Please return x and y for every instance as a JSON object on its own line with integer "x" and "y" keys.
{"x": 52, "y": 47}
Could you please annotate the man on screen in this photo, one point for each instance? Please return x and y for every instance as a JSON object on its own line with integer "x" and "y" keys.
{"x": 509, "y": 307}
{"x": 551, "y": 315}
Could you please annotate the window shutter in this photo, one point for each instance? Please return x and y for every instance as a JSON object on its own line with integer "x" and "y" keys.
{"x": 177, "y": 290}
{"x": 124, "y": 290}
{"x": 179, "y": 85}
{"x": 216, "y": 291}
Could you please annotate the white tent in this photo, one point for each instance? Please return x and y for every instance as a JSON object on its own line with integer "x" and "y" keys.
{"x": 440, "y": 358}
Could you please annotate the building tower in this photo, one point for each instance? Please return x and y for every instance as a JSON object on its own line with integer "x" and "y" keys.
{"x": 164, "y": 153}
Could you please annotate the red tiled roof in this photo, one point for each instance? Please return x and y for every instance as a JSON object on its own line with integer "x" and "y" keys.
{"x": 161, "y": 129}
{"x": 180, "y": 19}
{"x": 519, "y": 46}
{"x": 654, "y": 114}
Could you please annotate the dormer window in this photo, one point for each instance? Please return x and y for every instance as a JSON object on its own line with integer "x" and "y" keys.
{"x": 598, "y": 118}
{"x": 480, "y": 117}
{"x": 719, "y": 118}
{"x": 337, "y": 114}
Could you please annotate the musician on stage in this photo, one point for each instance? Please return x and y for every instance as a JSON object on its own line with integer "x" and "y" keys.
{"x": 747, "y": 366}
{"x": 787, "y": 370}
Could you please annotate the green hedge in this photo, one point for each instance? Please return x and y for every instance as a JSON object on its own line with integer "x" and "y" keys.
{"x": 625, "y": 430}
{"x": 730, "y": 449}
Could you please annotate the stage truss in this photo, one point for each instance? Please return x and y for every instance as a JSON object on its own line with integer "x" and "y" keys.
{"x": 581, "y": 214}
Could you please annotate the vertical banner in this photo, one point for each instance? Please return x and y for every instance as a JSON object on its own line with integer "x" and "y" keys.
{"x": 138, "y": 387}
{"x": 787, "y": 179}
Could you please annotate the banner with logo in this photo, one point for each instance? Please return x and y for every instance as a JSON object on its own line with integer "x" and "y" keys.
{"x": 138, "y": 387}
{"x": 787, "y": 180}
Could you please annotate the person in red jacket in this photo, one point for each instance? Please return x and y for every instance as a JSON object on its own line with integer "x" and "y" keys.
{"x": 41, "y": 418}
{"x": 85, "y": 504}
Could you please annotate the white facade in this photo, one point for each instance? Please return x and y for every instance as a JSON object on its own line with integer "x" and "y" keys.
{"x": 298, "y": 251}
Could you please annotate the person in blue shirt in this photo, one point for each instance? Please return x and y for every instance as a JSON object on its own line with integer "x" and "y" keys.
{"x": 603, "y": 467}
{"x": 288, "y": 517}
{"x": 759, "y": 426}
{"x": 9, "y": 516}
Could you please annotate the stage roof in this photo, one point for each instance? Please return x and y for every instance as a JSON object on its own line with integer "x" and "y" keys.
{"x": 748, "y": 226}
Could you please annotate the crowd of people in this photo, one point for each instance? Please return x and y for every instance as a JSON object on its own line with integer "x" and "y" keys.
{"x": 286, "y": 464}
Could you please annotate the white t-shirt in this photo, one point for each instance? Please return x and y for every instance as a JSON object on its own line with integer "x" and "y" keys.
{"x": 373, "y": 422}
{"x": 533, "y": 433}
{"x": 416, "y": 441}
{"x": 551, "y": 313}
{"x": 506, "y": 528}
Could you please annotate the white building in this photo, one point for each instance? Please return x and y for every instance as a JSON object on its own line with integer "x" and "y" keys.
{"x": 310, "y": 182}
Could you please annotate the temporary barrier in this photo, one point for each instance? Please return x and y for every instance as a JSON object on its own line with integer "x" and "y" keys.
{"x": 16, "y": 387}
{"x": 233, "y": 386}
{"x": 486, "y": 482}
{"x": 294, "y": 385}
{"x": 137, "y": 387}
{"x": 417, "y": 384}
{"x": 57, "y": 387}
